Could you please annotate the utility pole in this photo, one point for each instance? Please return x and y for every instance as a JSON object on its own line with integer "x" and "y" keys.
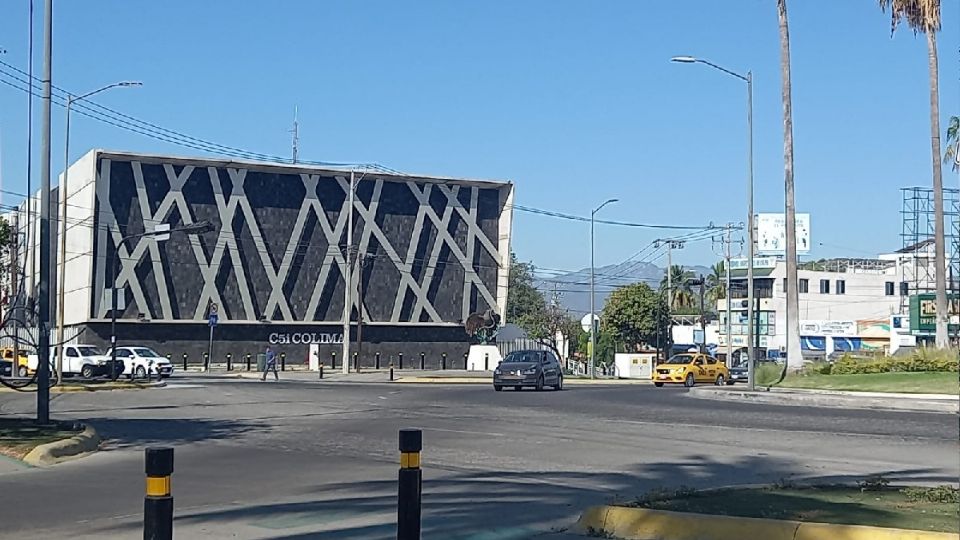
{"x": 363, "y": 259}
{"x": 347, "y": 283}
{"x": 727, "y": 254}
{"x": 15, "y": 292}
{"x": 296, "y": 133}
{"x": 43, "y": 324}
{"x": 671, "y": 245}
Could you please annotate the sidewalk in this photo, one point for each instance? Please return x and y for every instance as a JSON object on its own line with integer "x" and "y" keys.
{"x": 939, "y": 403}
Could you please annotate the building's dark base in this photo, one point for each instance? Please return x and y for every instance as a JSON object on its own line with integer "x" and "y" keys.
{"x": 394, "y": 344}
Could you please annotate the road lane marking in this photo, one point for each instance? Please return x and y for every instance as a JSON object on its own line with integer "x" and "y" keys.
{"x": 463, "y": 431}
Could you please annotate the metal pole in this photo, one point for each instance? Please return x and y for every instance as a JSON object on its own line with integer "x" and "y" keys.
{"x": 209, "y": 350}
{"x": 113, "y": 300}
{"x": 63, "y": 242}
{"x": 727, "y": 295}
{"x": 43, "y": 347}
{"x": 15, "y": 287}
{"x": 593, "y": 320}
{"x": 703, "y": 313}
{"x": 357, "y": 354}
{"x": 670, "y": 275}
{"x": 751, "y": 383}
{"x": 347, "y": 283}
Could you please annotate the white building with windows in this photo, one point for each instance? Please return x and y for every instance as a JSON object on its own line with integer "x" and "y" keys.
{"x": 847, "y": 304}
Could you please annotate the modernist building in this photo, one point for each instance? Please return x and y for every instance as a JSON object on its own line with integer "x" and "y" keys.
{"x": 425, "y": 253}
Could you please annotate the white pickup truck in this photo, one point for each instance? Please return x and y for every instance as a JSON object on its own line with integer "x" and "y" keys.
{"x": 84, "y": 360}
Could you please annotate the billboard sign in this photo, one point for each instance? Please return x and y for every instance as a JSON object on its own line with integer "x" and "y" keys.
{"x": 772, "y": 234}
{"x": 923, "y": 313}
{"x": 828, "y": 328}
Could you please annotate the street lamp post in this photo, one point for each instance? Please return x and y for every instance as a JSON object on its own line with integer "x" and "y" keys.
{"x": 748, "y": 78}
{"x": 63, "y": 217}
{"x": 593, "y": 317}
{"x": 194, "y": 228}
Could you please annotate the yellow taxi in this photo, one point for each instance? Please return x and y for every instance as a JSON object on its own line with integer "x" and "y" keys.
{"x": 20, "y": 369}
{"x": 689, "y": 369}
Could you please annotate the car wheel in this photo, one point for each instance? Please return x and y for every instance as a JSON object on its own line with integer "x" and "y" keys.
{"x": 497, "y": 387}
{"x": 559, "y": 386}
{"x": 730, "y": 383}
{"x": 658, "y": 384}
{"x": 141, "y": 373}
{"x": 540, "y": 384}
{"x": 87, "y": 372}
{"x": 720, "y": 381}
{"x": 22, "y": 371}
{"x": 689, "y": 381}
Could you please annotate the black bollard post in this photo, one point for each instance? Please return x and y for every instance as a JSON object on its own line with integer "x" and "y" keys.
{"x": 283, "y": 361}
{"x": 356, "y": 366}
{"x": 248, "y": 361}
{"x": 229, "y": 361}
{"x": 184, "y": 361}
{"x": 158, "y": 503}
{"x": 321, "y": 370}
{"x": 443, "y": 361}
{"x": 206, "y": 361}
{"x": 400, "y": 366}
{"x": 333, "y": 360}
{"x": 410, "y": 481}
{"x": 391, "y": 371}
{"x": 377, "y": 361}
{"x": 464, "y": 361}
{"x": 421, "y": 361}
{"x": 486, "y": 361}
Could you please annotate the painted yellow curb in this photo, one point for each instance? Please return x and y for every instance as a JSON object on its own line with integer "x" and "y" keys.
{"x": 645, "y": 524}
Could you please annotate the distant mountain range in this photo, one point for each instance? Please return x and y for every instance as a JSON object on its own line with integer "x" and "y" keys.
{"x": 574, "y": 287}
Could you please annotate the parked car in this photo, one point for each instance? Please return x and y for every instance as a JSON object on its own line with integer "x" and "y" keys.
{"x": 139, "y": 362}
{"x": 21, "y": 368}
{"x": 84, "y": 360}
{"x": 528, "y": 368}
{"x": 6, "y": 368}
{"x": 690, "y": 368}
{"x": 738, "y": 373}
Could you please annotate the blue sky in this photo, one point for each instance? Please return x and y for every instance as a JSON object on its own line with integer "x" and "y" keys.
{"x": 575, "y": 102}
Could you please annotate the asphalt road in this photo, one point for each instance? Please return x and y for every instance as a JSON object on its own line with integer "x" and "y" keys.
{"x": 298, "y": 460}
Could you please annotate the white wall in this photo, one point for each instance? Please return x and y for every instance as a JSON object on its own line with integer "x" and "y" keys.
{"x": 80, "y": 192}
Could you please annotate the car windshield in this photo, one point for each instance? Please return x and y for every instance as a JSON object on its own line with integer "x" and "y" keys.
{"x": 143, "y": 351}
{"x": 88, "y": 351}
{"x": 680, "y": 359}
{"x": 522, "y": 356}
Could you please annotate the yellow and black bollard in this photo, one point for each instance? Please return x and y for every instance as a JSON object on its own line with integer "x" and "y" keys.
{"x": 158, "y": 503}
{"x": 409, "y": 485}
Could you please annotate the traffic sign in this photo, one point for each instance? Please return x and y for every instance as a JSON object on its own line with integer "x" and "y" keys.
{"x": 212, "y": 321}
{"x": 161, "y": 232}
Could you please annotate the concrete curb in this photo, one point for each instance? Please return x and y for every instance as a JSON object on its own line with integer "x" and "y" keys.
{"x": 820, "y": 399}
{"x": 645, "y": 524}
{"x": 106, "y": 387}
{"x": 84, "y": 442}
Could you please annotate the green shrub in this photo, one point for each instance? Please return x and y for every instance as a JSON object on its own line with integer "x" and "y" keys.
{"x": 939, "y": 494}
{"x": 923, "y": 360}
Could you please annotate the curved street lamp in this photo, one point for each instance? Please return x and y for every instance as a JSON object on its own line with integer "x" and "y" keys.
{"x": 63, "y": 216}
{"x": 593, "y": 316}
{"x": 748, "y": 78}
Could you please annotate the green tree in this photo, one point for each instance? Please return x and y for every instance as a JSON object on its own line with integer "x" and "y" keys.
{"x": 716, "y": 284}
{"x": 525, "y": 304}
{"x": 634, "y": 314}
{"x": 683, "y": 296}
{"x": 923, "y": 17}
{"x": 952, "y": 155}
{"x": 6, "y": 235}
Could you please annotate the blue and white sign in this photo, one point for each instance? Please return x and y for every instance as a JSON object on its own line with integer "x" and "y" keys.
{"x": 214, "y": 318}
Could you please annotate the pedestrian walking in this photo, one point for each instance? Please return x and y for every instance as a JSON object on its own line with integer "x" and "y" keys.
{"x": 270, "y": 365}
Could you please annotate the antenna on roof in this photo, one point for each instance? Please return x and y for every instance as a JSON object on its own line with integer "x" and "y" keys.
{"x": 296, "y": 132}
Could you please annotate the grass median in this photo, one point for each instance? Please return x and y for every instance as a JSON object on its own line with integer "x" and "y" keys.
{"x": 900, "y": 382}
{"x": 873, "y": 502}
{"x": 18, "y": 436}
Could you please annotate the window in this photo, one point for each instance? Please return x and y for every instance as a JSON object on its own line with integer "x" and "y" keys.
{"x": 841, "y": 286}
{"x": 824, "y": 286}
{"x": 71, "y": 352}
{"x": 904, "y": 288}
{"x": 888, "y": 288}
{"x": 711, "y": 360}
{"x": 804, "y": 285}
{"x": 784, "y": 284}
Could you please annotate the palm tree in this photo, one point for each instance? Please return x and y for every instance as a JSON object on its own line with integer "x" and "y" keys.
{"x": 923, "y": 16}
{"x": 682, "y": 295}
{"x": 717, "y": 283}
{"x": 952, "y": 155}
{"x": 794, "y": 354}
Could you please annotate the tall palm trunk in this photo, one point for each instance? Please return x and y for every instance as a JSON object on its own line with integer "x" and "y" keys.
{"x": 943, "y": 317}
{"x": 794, "y": 354}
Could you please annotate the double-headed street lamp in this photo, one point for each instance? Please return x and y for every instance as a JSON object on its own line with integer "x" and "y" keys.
{"x": 63, "y": 215}
{"x": 748, "y": 78}
{"x": 593, "y": 316}
{"x": 199, "y": 227}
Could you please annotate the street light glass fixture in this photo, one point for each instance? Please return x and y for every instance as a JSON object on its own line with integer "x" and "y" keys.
{"x": 684, "y": 59}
